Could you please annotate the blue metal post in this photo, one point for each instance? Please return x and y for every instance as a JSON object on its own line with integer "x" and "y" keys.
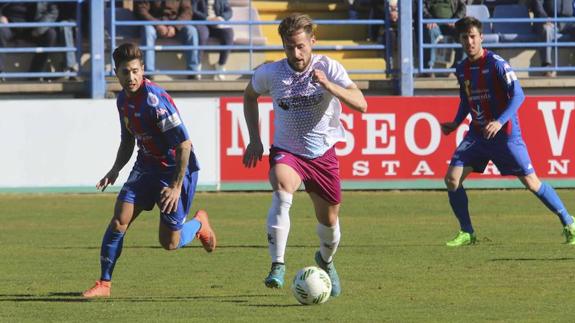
{"x": 406, "y": 49}
{"x": 97, "y": 73}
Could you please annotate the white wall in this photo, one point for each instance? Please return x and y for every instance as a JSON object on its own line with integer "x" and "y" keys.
{"x": 71, "y": 143}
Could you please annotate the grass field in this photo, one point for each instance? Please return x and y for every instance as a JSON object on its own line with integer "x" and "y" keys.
{"x": 392, "y": 262}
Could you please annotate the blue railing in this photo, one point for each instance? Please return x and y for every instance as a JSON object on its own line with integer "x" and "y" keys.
{"x": 250, "y": 48}
{"x": 76, "y": 49}
{"x": 555, "y": 44}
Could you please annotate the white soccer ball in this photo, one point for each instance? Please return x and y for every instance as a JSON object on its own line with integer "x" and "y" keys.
{"x": 311, "y": 285}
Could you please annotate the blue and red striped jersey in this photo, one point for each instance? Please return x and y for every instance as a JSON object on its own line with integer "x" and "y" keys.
{"x": 152, "y": 118}
{"x": 489, "y": 90}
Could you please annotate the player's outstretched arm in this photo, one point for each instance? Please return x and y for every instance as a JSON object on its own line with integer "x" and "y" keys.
{"x": 351, "y": 96}
{"x": 122, "y": 157}
{"x": 254, "y": 150}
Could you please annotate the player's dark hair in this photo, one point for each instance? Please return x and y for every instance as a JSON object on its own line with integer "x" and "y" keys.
{"x": 465, "y": 24}
{"x": 127, "y": 52}
{"x": 294, "y": 23}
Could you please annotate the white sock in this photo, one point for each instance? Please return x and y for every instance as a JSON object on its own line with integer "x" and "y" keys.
{"x": 329, "y": 240}
{"x": 279, "y": 224}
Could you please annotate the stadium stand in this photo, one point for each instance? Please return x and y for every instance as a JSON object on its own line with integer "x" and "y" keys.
{"x": 513, "y": 31}
{"x": 481, "y": 12}
{"x": 339, "y": 37}
{"x": 329, "y": 35}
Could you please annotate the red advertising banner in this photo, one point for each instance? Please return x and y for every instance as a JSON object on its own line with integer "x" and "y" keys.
{"x": 400, "y": 138}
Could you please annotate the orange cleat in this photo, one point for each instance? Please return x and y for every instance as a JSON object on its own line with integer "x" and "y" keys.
{"x": 205, "y": 234}
{"x": 102, "y": 288}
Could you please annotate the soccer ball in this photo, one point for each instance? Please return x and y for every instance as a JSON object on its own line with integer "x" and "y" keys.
{"x": 311, "y": 285}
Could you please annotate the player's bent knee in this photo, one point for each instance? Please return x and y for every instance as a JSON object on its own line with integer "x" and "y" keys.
{"x": 451, "y": 183}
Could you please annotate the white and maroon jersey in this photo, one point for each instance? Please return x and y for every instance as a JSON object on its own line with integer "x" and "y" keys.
{"x": 306, "y": 116}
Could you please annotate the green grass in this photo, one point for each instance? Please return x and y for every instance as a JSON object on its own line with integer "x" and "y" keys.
{"x": 392, "y": 261}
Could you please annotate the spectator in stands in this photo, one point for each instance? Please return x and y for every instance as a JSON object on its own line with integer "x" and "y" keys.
{"x": 214, "y": 10}
{"x": 550, "y": 30}
{"x": 389, "y": 31}
{"x": 377, "y": 11}
{"x": 168, "y": 10}
{"x": 42, "y": 36}
{"x": 433, "y": 33}
{"x": 68, "y": 12}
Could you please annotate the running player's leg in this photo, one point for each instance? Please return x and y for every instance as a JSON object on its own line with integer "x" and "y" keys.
{"x": 175, "y": 232}
{"x": 328, "y": 231}
{"x": 457, "y": 196}
{"x": 513, "y": 159}
{"x": 470, "y": 156}
{"x": 284, "y": 181}
{"x": 112, "y": 242}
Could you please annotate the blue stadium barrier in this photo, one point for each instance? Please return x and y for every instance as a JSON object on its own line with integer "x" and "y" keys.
{"x": 16, "y": 50}
{"x": 556, "y": 44}
{"x": 250, "y": 48}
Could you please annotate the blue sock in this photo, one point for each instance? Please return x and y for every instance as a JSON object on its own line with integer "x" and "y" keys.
{"x": 552, "y": 201}
{"x": 458, "y": 201}
{"x": 110, "y": 252}
{"x": 188, "y": 232}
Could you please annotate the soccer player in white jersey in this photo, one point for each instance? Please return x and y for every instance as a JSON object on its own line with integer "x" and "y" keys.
{"x": 306, "y": 90}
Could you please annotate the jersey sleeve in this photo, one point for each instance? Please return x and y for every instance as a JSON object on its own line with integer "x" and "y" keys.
{"x": 508, "y": 81}
{"x": 260, "y": 79}
{"x": 335, "y": 72}
{"x": 167, "y": 118}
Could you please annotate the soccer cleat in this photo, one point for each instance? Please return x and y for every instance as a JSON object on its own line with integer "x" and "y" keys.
{"x": 462, "y": 239}
{"x": 569, "y": 233}
{"x": 102, "y": 288}
{"x": 206, "y": 235}
{"x": 275, "y": 278}
{"x": 331, "y": 272}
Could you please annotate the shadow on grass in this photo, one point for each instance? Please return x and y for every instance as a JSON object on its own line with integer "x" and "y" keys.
{"x": 75, "y": 297}
{"x": 534, "y": 259}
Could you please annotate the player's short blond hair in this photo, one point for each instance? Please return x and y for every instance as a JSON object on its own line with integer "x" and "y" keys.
{"x": 294, "y": 23}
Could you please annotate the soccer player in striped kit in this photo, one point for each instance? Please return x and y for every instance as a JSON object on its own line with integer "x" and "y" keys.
{"x": 491, "y": 93}
{"x": 306, "y": 90}
{"x": 165, "y": 172}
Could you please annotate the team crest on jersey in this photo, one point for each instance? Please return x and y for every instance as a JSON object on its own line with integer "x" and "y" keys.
{"x": 153, "y": 100}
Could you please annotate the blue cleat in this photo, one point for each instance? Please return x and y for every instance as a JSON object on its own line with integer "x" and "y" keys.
{"x": 332, "y": 273}
{"x": 275, "y": 278}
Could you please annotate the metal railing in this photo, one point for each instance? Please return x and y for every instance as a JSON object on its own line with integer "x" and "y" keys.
{"x": 556, "y": 44}
{"x": 39, "y": 49}
{"x": 249, "y": 48}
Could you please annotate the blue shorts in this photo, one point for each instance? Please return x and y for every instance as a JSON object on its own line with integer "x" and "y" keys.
{"x": 143, "y": 189}
{"x": 508, "y": 154}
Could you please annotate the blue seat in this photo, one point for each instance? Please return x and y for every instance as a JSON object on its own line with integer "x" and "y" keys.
{"x": 513, "y": 31}
{"x": 481, "y": 12}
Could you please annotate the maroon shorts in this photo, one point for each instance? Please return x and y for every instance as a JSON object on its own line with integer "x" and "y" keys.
{"x": 319, "y": 175}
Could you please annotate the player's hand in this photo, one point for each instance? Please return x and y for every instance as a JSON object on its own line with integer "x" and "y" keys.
{"x": 3, "y": 20}
{"x": 162, "y": 30}
{"x": 108, "y": 179}
{"x": 448, "y": 127}
{"x": 171, "y": 32}
{"x": 318, "y": 76}
{"x": 253, "y": 154}
{"x": 491, "y": 129}
{"x": 169, "y": 197}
